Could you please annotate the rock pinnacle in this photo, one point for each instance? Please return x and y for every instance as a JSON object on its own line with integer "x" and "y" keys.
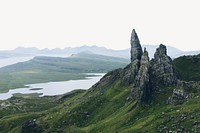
{"x": 136, "y": 49}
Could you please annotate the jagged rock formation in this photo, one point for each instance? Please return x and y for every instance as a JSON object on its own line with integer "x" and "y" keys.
{"x": 136, "y": 49}
{"x": 149, "y": 76}
{"x": 135, "y": 74}
{"x": 162, "y": 71}
{"x": 142, "y": 88}
{"x": 145, "y": 76}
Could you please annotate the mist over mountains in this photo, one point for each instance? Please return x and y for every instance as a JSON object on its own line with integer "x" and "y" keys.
{"x": 32, "y": 51}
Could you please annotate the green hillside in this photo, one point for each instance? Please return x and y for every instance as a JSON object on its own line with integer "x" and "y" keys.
{"x": 95, "y": 111}
{"x": 46, "y": 69}
{"x": 188, "y": 67}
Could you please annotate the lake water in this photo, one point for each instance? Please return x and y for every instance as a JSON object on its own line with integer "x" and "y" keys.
{"x": 55, "y": 88}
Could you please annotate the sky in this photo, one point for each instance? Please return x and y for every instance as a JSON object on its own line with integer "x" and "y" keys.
{"x": 108, "y": 23}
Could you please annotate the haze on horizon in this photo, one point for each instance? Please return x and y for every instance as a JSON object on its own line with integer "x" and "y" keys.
{"x": 72, "y": 23}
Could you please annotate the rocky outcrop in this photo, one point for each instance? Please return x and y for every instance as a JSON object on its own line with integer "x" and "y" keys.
{"x": 136, "y": 49}
{"x": 144, "y": 76}
{"x": 130, "y": 72}
{"x": 149, "y": 77}
{"x": 30, "y": 127}
{"x": 142, "y": 87}
{"x": 183, "y": 92}
{"x": 178, "y": 97}
{"x": 162, "y": 71}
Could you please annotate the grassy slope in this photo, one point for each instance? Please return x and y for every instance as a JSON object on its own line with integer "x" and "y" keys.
{"x": 15, "y": 111}
{"x": 110, "y": 112}
{"x": 45, "y": 69}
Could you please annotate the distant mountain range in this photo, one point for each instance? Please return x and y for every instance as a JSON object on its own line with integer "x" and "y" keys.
{"x": 24, "y": 52}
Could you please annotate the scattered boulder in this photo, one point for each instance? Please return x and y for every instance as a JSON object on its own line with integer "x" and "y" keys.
{"x": 178, "y": 96}
{"x": 30, "y": 127}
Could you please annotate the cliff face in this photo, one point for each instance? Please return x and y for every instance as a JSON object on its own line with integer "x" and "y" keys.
{"x": 162, "y": 71}
{"x": 142, "y": 87}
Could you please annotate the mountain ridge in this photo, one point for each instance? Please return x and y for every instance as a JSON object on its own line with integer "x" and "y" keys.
{"x": 33, "y": 51}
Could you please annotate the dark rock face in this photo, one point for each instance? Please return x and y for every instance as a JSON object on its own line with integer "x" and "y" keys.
{"x": 162, "y": 71}
{"x": 142, "y": 88}
{"x": 130, "y": 72}
{"x": 136, "y": 49}
{"x": 138, "y": 71}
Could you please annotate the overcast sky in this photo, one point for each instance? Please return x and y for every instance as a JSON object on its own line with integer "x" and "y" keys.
{"x": 71, "y": 23}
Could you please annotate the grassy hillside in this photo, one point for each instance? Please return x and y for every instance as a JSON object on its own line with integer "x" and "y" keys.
{"x": 45, "y": 69}
{"x": 187, "y": 67}
{"x": 111, "y": 111}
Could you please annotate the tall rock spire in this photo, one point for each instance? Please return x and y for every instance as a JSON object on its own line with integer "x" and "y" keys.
{"x": 142, "y": 85}
{"x": 162, "y": 70}
{"x": 136, "y": 49}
